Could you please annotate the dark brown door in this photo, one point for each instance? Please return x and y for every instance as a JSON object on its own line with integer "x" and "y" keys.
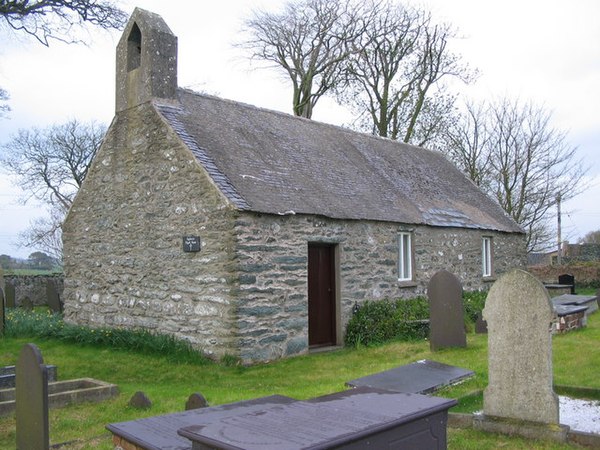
{"x": 321, "y": 295}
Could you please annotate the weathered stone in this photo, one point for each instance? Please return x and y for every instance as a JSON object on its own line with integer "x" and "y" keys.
{"x": 195, "y": 401}
{"x": 519, "y": 315}
{"x": 480, "y": 325}
{"x": 446, "y": 319}
{"x": 140, "y": 400}
{"x": 26, "y": 303}
{"x": 567, "y": 279}
{"x": 2, "y": 312}
{"x": 53, "y": 297}
{"x": 32, "y": 400}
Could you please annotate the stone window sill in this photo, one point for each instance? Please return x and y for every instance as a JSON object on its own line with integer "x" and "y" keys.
{"x": 407, "y": 284}
{"x": 489, "y": 279}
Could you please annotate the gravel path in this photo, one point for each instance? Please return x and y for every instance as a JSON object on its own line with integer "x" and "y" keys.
{"x": 580, "y": 415}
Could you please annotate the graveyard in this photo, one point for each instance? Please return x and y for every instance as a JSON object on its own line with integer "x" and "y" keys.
{"x": 168, "y": 382}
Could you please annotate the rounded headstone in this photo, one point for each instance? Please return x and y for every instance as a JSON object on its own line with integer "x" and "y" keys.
{"x": 519, "y": 314}
{"x": 195, "y": 401}
{"x": 140, "y": 400}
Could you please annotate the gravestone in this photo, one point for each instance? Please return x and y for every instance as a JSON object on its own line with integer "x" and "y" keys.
{"x": 52, "y": 297}
{"x": 2, "y": 282}
{"x": 140, "y": 400}
{"x": 32, "y": 400}
{"x": 26, "y": 303}
{"x": 480, "y": 325}
{"x": 519, "y": 315}
{"x": 195, "y": 401}
{"x": 9, "y": 294}
{"x": 2, "y": 312}
{"x": 446, "y": 317}
{"x": 567, "y": 279}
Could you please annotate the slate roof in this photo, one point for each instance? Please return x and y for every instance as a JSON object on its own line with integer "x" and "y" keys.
{"x": 271, "y": 162}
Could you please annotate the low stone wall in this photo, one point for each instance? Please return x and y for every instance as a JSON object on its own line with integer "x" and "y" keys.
{"x": 588, "y": 274}
{"x": 34, "y": 287}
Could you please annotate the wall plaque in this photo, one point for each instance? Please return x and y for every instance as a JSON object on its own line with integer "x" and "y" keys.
{"x": 191, "y": 244}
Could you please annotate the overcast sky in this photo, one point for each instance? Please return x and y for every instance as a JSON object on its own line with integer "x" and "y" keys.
{"x": 544, "y": 51}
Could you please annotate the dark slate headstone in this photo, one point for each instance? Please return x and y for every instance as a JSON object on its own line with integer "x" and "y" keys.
{"x": 446, "y": 316}
{"x": 2, "y": 312}
{"x": 52, "y": 297}
{"x": 32, "y": 400}
{"x": 9, "y": 292}
{"x": 421, "y": 377}
{"x": 26, "y": 303}
{"x": 480, "y": 324}
{"x": 140, "y": 400}
{"x": 195, "y": 401}
{"x": 567, "y": 279}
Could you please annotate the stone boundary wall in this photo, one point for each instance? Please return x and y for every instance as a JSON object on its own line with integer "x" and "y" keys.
{"x": 588, "y": 274}
{"x": 34, "y": 287}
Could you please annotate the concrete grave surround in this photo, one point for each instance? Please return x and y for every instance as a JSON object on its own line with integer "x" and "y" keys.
{"x": 177, "y": 163}
{"x": 519, "y": 316}
{"x": 33, "y": 431}
{"x": 446, "y": 316}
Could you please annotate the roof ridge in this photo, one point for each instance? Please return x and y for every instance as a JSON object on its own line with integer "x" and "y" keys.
{"x": 310, "y": 121}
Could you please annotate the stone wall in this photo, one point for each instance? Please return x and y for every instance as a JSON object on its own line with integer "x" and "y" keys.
{"x": 123, "y": 257}
{"x": 585, "y": 274}
{"x": 34, "y": 287}
{"x": 272, "y": 255}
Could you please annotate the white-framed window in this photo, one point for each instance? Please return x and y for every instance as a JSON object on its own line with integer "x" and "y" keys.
{"x": 404, "y": 256}
{"x": 486, "y": 256}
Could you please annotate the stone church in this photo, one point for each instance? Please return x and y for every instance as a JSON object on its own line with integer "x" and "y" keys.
{"x": 254, "y": 233}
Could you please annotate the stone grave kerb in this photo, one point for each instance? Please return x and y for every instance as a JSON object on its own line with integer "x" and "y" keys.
{"x": 519, "y": 317}
{"x": 446, "y": 316}
{"x": 32, "y": 400}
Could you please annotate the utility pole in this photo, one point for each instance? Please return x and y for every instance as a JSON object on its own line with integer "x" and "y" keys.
{"x": 559, "y": 253}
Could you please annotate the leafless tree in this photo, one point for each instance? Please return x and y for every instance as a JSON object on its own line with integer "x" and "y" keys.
{"x": 593, "y": 237}
{"x": 402, "y": 60}
{"x": 4, "y": 108}
{"x": 512, "y": 151}
{"x": 50, "y": 164}
{"x": 59, "y": 19}
{"x": 309, "y": 40}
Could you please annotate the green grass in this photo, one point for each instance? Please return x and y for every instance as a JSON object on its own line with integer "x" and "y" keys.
{"x": 168, "y": 381}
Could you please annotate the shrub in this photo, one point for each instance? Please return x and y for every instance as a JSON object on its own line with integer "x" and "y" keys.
{"x": 473, "y": 303}
{"x": 45, "y": 324}
{"x": 381, "y": 321}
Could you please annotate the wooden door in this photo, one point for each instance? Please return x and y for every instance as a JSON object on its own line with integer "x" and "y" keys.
{"x": 321, "y": 295}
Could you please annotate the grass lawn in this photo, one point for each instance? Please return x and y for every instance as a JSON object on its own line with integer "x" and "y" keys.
{"x": 168, "y": 383}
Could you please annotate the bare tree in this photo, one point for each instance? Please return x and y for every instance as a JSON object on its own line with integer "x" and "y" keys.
{"x": 4, "y": 108}
{"x": 50, "y": 164}
{"x": 309, "y": 40}
{"x": 402, "y": 59}
{"x": 511, "y": 150}
{"x": 593, "y": 237}
{"x": 59, "y": 19}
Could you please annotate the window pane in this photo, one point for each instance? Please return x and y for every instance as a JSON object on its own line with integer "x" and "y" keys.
{"x": 404, "y": 257}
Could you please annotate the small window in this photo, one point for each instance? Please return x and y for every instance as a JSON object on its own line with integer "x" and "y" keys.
{"x": 404, "y": 257}
{"x": 486, "y": 256}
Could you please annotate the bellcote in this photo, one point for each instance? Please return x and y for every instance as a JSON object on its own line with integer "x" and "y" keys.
{"x": 146, "y": 61}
